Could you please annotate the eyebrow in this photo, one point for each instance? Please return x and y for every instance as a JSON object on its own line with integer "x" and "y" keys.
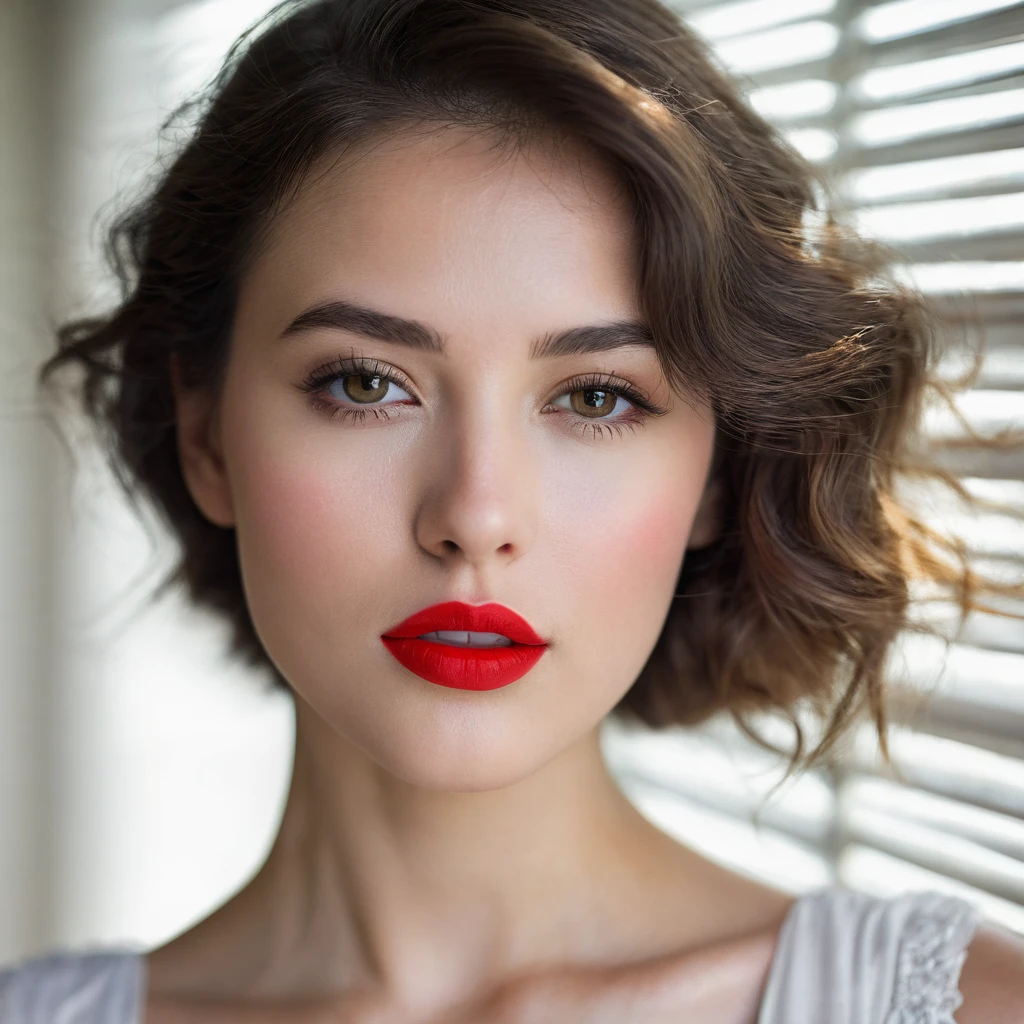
{"x": 341, "y": 315}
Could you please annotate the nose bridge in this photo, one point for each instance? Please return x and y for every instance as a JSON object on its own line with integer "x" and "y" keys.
{"x": 481, "y": 487}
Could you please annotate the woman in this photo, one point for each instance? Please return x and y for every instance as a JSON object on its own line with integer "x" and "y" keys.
{"x": 477, "y": 354}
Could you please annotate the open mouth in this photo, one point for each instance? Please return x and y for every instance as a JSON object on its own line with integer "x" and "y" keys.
{"x": 467, "y": 638}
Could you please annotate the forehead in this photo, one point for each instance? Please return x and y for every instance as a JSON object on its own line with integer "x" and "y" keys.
{"x": 453, "y": 170}
{"x": 448, "y": 217}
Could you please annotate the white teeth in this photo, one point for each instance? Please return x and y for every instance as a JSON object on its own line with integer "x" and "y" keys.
{"x": 464, "y": 638}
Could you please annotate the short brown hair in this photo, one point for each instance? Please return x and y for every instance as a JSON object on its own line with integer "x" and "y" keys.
{"x": 815, "y": 361}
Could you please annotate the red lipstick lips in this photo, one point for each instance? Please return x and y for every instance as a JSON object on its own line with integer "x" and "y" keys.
{"x": 466, "y": 668}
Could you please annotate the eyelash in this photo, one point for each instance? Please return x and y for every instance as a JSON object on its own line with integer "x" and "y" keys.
{"x": 317, "y": 383}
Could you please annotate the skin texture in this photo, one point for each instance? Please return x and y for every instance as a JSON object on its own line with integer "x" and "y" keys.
{"x": 449, "y": 856}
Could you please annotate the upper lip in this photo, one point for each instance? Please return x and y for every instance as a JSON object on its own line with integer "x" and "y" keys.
{"x": 457, "y": 616}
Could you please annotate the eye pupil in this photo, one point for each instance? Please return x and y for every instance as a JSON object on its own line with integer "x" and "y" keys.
{"x": 373, "y": 386}
{"x": 604, "y": 403}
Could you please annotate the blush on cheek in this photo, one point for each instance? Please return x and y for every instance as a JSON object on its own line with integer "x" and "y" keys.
{"x": 658, "y": 543}
{"x": 294, "y": 516}
{"x": 660, "y": 529}
{"x": 654, "y": 527}
{"x": 634, "y": 557}
{"x": 621, "y": 572}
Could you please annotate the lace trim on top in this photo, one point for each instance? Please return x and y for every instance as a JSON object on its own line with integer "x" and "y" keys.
{"x": 932, "y": 953}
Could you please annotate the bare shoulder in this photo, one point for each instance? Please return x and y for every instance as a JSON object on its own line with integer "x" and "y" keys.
{"x": 992, "y": 978}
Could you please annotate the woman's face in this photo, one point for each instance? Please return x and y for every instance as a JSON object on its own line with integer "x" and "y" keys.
{"x": 486, "y": 481}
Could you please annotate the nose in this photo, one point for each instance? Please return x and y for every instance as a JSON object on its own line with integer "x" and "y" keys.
{"x": 479, "y": 504}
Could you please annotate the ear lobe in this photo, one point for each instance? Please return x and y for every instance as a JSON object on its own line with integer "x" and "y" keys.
{"x": 199, "y": 450}
{"x": 707, "y": 522}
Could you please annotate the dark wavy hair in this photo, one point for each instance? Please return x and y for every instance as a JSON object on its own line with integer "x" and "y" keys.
{"x": 761, "y": 301}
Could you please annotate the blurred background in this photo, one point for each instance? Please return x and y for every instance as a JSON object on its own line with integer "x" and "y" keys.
{"x": 142, "y": 775}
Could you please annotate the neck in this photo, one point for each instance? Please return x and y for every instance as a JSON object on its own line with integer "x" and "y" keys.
{"x": 426, "y": 898}
{"x": 373, "y": 871}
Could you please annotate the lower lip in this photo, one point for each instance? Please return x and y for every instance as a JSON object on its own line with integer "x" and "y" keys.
{"x": 464, "y": 668}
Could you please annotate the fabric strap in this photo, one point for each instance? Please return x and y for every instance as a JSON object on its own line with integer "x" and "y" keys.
{"x": 845, "y": 957}
{"x": 74, "y": 988}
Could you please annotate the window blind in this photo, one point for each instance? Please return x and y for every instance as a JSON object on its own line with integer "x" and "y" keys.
{"x": 915, "y": 108}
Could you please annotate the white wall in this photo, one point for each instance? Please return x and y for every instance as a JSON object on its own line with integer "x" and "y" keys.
{"x": 26, "y": 461}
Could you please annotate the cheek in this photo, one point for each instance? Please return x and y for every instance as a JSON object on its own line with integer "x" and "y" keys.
{"x": 319, "y": 538}
{"x": 310, "y": 517}
{"x": 297, "y": 518}
{"x": 623, "y": 539}
{"x": 659, "y": 528}
{"x": 641, "y": 548}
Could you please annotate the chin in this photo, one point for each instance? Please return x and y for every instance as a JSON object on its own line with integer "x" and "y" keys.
{"x": 483, "y": 778}
{"x": 455, "y": 750}
{"x": 452, "y": 775}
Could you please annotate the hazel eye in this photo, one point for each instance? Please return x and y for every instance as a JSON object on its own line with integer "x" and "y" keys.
{"x": 349, "y": 388}
{"x": 362, "y": 388}
{"x": 594, "y": 402}
{"x": 346, "y": 389}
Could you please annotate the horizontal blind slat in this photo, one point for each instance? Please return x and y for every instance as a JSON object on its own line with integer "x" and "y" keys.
{"x": 947, "y": 767}
{"x": 971, "y": 139}
{"x": 891, "y": 800}
{"x": 978, "y": 31}
{"x": 881, "y": 874}
{"x": 939, "y": 850}
{"x": 964, "y": 175}
{"x": 897, "y": 20}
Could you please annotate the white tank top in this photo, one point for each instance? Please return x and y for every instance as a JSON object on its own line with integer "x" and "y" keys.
{"x": 842, "y": 957}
